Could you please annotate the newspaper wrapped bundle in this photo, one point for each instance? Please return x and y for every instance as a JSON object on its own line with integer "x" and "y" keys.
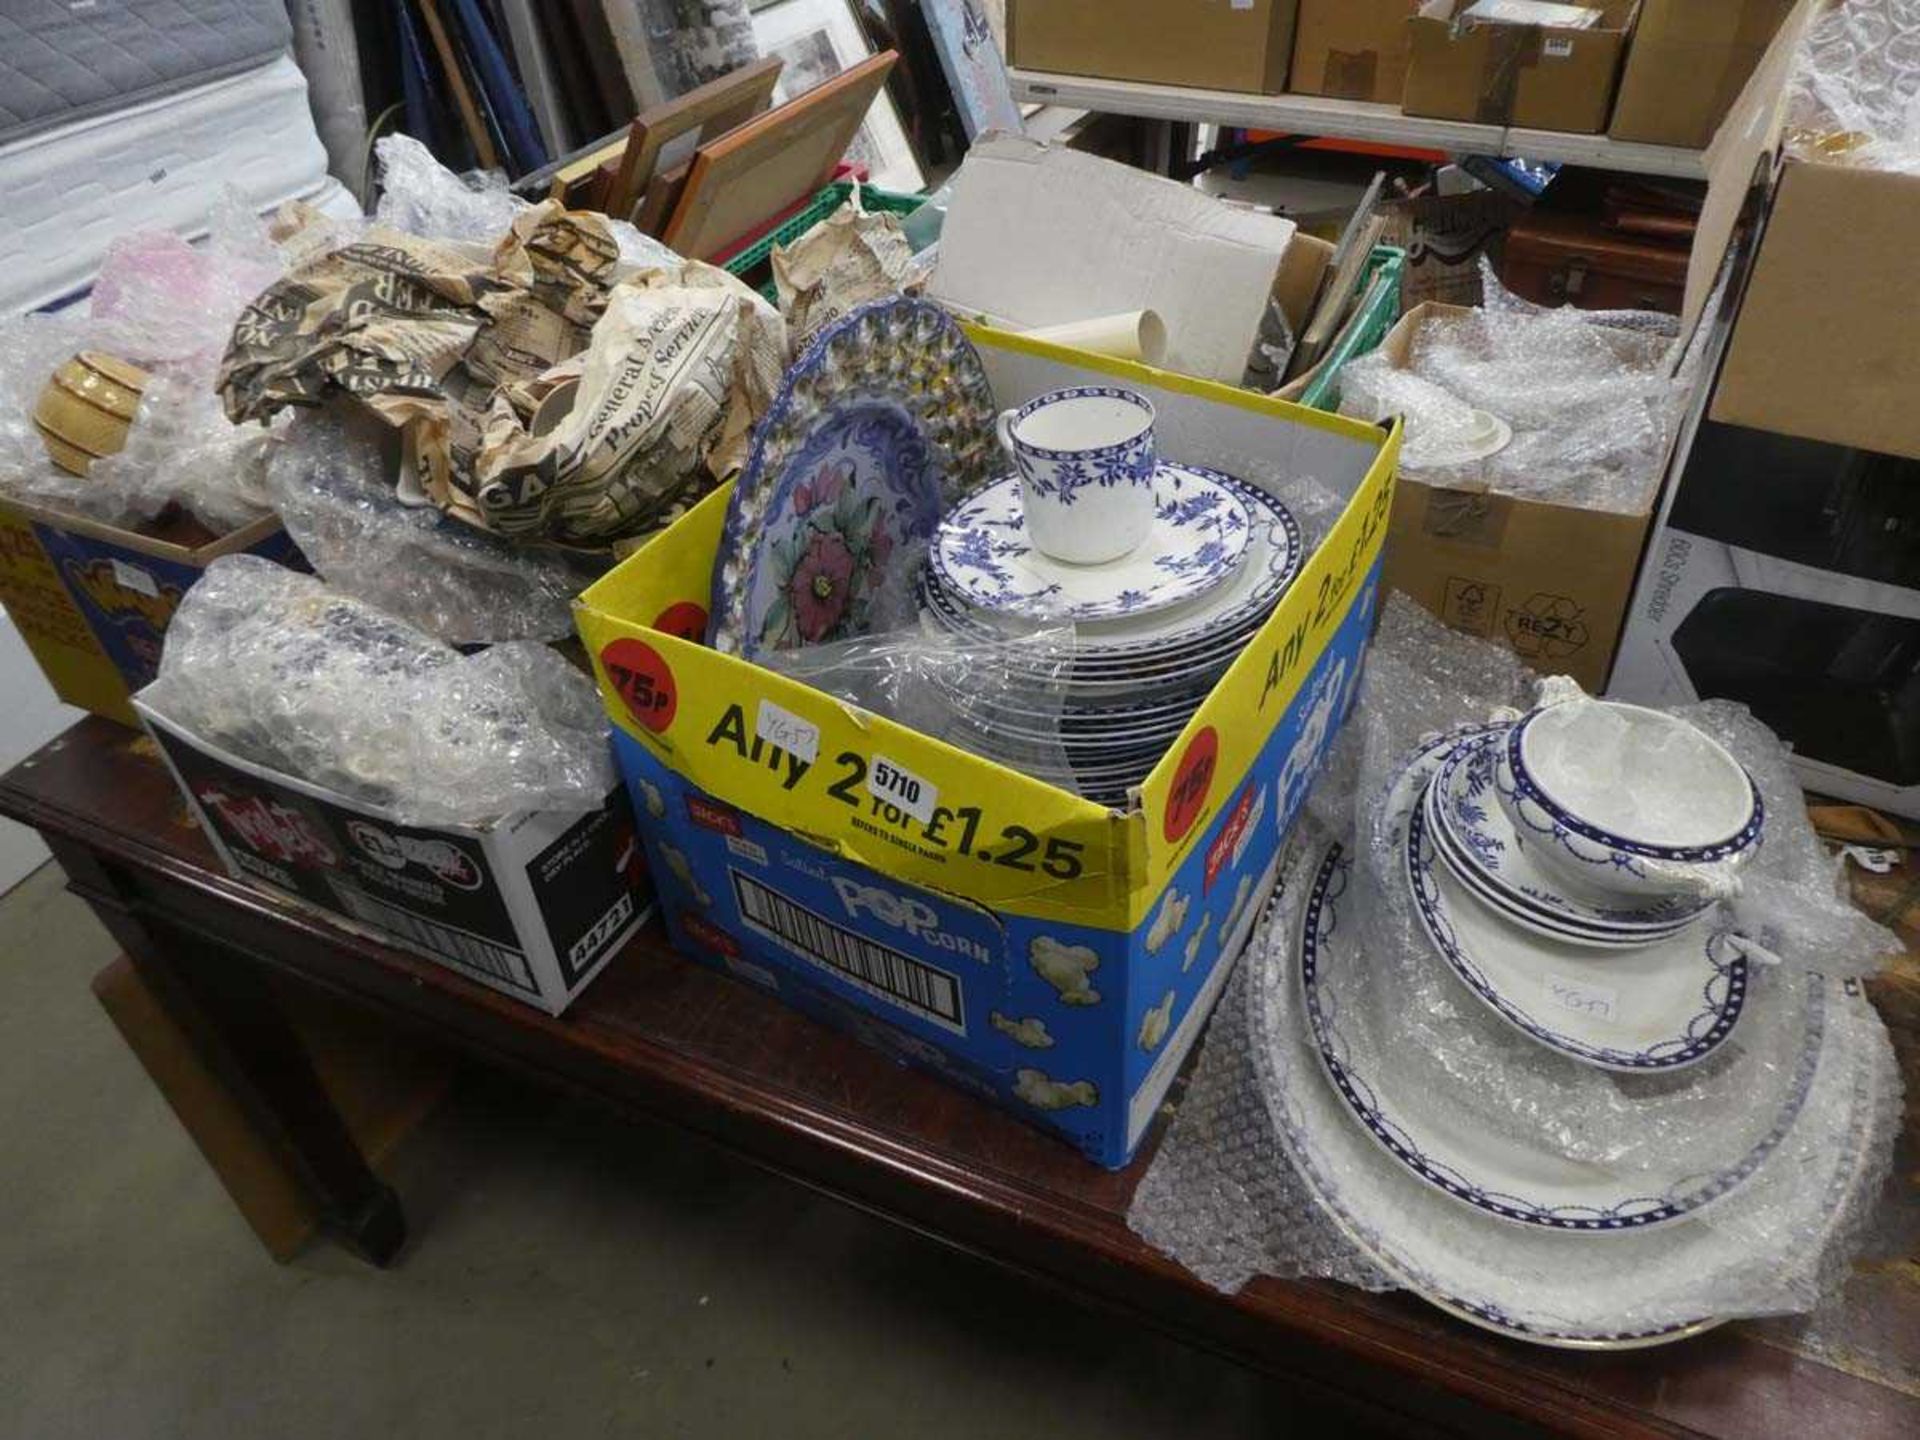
{"x": 667, "y": 369}
{"x": 853, "y": 256}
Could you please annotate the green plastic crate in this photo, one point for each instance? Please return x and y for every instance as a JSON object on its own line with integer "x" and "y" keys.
{"x": 824, "y": 204}
{"x": 1324, "y": 392}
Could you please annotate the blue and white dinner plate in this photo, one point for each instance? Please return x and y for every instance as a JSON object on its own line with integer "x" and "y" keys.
{"x": 1658, "y": 1007}
{"x": 1500, "y": 1176}
{"x": 1530, "y": 1283}
{"x": 983, "y": 553}
{"x": 1504, "y": 872}
{"x": 878, "y": 428}
{"x": 1180, "y": 635}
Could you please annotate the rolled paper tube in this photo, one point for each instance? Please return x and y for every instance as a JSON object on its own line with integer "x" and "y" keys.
{"x": 1136, "y": 335}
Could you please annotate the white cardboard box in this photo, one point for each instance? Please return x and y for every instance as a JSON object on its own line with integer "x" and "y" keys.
{"x": 533, "y": 905}
{"x": 1038, "y": 236}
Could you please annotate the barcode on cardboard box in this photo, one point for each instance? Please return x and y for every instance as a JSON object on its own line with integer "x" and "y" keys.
{"x": 900, "y": 980}
{"x": 456, "y": 947}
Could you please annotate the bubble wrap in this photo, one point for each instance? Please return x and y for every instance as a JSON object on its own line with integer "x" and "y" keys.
{"x": 1236, "y": 1188}
{"x": 289, "y": 673}
{"x": 182, "y": 448}
{"x": 953, "y": 688}
{"x": 169, "y": 308}
{"x": 1854, "y": 97}
{"x": 330, "y": 477}
{"x": 422, "y": 197}
{"x": 1591, "y": 398}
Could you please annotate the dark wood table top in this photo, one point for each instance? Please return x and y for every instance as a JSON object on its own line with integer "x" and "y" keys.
{"x": 668, "y": 1037}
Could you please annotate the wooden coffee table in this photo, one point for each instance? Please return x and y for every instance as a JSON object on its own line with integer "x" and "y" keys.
{"x": 661, "y": 1035}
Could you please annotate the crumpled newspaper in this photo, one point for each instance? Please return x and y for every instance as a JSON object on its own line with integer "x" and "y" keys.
{"x": 459, "y": 348}
{"x": 853, "y": 256}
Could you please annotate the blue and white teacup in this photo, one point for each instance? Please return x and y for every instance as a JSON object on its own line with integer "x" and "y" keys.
{"x": 1086, "y": 459}
{"x": 1623, "y": 804}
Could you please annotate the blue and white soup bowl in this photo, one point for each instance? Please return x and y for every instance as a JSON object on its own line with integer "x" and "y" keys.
{"x": 1622, "y": 803}
{"x": 1086, "y": 460}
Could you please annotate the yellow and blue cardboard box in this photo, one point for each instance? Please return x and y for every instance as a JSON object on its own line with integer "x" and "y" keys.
{"x": 1045, "y": 952}
{"x": 93, "y": 600}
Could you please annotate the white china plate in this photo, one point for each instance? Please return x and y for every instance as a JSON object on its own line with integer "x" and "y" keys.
{"x": 1658, "y": 1007}
{"x": 1274, "y": 555}
{"x": 1497, "y": 1175}
{"x": 984, "y": 554}
{"x": 1529, "y": 1284}
{"x": 1481, "y": 829}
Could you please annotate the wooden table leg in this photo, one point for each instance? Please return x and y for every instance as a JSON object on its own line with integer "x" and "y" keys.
{"x": 221, "y": 1000}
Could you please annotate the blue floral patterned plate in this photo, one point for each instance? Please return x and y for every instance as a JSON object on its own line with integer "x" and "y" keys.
{"x": 878, "y": 428}
{"x": 1200, "y": 533}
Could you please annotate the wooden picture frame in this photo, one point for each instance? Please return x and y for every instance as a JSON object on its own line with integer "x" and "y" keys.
{"x": 819, "y": 39}
{"x": 708, "y": 110}
{"x": 749, "y": 175}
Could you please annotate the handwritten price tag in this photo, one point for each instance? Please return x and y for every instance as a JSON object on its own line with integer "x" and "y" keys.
{"x": 779, "y": 726}
{"x": 1602, "y": 1002}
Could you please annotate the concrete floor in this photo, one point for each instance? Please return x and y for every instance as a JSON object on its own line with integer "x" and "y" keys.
{"x": 572, "y": 1274}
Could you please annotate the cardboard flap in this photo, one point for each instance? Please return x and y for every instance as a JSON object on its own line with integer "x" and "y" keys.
{"x": 1742, "y": 149}
{"x": 1038, "y": 236}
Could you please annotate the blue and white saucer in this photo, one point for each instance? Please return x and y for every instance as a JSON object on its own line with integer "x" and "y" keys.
{"x": 1178, "y": 640}
{"x": 1657, "y": 1007}
{"x": 983, "y": 553}
{"x": 1476, "y": 838}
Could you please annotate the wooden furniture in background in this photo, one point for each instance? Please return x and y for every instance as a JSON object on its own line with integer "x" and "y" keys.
{"x": 662, "y": 1036}
{"x": 383, "y": 1082}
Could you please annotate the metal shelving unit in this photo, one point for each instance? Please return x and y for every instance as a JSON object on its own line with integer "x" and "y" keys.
{"x": 1352, "y": 120}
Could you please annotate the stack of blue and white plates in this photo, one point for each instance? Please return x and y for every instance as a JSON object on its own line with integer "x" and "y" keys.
{"x": 1566, "y": 868}
{"x": 1152, "y": 632}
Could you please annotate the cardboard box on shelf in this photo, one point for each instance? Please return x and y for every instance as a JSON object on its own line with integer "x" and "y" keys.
{"x": 1038, "y": 236}
{"x": 1352, "y": 49}
{"x": 1211, "y": 44}
{"x": 1785, "y": 574}
{"x": 1821, "y": 347}
{"x": 1044, "y": 952}
{"x": 93, "y": 600}
{"x": 1533, "y": 76}
{"x": 1550, "y": 581}
{"x": 1687, "y": 63}
{"x": 533, "y": 905}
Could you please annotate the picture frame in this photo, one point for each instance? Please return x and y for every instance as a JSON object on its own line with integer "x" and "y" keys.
{"x": 740, "y": 181}
{"x": 819, "y": 39}
{"x": 976, "y": 69}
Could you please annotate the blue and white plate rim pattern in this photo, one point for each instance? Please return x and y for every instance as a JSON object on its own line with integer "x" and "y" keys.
{"x": 1688, "y": 1047}
{"x": 1465, "y": 759}
{"x": 1363, "y": 1236}
{"x": 1363, "y": 1102}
